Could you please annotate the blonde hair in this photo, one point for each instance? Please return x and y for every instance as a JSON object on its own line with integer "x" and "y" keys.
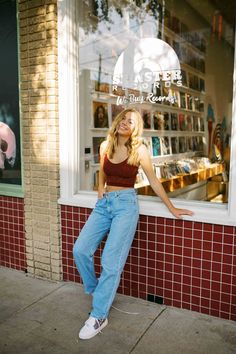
{"x": 134, "y": 140}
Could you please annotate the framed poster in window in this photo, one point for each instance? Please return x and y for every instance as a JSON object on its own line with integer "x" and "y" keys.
{"x": 100, "y": 114}
{"x": 10, "y": 144}
{"x": 96, "y": 148}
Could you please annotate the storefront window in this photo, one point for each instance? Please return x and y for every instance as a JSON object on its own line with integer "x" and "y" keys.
{"x": 174, "y": 62}
{"x": 10, "y": 153}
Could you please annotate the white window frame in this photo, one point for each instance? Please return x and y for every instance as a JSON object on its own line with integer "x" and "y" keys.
{"x": 224, "y": 214}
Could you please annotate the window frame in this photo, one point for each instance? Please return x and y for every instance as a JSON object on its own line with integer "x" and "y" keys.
{"x": 68, "y": 74}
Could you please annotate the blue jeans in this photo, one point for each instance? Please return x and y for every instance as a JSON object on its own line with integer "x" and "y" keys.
{"x": 116, "y": 214}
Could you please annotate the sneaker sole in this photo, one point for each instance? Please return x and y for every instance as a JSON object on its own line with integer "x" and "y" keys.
{"x": 105, "y": 323}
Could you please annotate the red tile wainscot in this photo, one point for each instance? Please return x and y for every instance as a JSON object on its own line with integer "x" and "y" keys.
{"x": 12, "y": 235}
{"x": 186, "y": 264}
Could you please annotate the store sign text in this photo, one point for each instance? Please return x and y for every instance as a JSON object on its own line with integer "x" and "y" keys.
{"x": 151, "y": 98}
{"x": 144, "y": 80}
{"x": 147, "y": 81}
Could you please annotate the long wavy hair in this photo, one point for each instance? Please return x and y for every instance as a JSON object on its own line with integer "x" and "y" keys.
{"x": 134, "y": 140}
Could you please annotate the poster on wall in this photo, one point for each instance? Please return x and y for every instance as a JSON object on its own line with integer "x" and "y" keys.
{"x": 174, "y": 145}
{"x": 100, "y": 114}
{"x": 146, "y": 115}
{"x": 158, "y": 121}
{"x": 10, "y": 152}
{"x": 115, "y": 110}
{"x": 156, "y": 146}
{"x": 165, "y": 145}
{"x": 96, "y": 147}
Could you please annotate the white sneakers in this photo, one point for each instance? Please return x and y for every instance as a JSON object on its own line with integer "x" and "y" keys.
{"x": 92, "y": 327}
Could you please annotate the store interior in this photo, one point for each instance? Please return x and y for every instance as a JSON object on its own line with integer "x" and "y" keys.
{"x": 187, "y": 126}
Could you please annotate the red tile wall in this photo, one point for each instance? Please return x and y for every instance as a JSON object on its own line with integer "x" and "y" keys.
{"x": 185, "y": 264}
{"x": 12, "y": 235}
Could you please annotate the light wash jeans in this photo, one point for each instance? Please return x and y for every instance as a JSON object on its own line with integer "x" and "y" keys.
{"x": 116, "y": 214}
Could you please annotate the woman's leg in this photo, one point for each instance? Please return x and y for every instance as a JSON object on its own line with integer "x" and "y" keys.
{"x": 95, "y": 229}
{"x": 124, "y": 208}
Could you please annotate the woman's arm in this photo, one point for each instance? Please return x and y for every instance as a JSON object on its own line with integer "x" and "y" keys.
{"x": 146, "y": 164}
{"x": 102, "y": 176}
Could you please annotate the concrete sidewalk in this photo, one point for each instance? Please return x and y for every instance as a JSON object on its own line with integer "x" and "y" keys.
{"x": 37, "y": 316}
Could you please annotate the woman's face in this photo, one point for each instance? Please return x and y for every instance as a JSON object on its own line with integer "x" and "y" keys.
{"x": 127, "y": 124}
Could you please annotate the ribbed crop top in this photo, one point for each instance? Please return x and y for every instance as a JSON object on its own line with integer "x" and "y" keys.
{"x": 119, "y": 174}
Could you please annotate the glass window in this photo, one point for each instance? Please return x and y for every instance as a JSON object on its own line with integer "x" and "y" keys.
{"x": 174, "y": 62}
{"x": 10, "y": 152}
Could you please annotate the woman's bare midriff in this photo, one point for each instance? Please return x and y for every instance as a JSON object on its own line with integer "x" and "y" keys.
{"x": 115, "y": 188}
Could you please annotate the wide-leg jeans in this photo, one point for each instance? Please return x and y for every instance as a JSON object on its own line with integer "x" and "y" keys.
{"x": 115, "y": 215}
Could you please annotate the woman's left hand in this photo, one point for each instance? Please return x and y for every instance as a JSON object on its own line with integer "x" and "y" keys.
{"x": 179, "y": 212}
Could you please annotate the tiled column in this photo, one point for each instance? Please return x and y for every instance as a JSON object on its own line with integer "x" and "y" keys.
{"x": 39, "y": 114}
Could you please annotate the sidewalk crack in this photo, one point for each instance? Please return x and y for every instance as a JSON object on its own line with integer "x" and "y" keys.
{"x": 143, "y": 334}
{"x": 31, "y": 304}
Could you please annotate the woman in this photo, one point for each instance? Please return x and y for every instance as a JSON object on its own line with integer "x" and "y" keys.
{"x": 116, "y": 214}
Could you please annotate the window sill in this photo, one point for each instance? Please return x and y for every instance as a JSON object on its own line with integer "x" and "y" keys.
{"x": 152, "y": 206}
{"x": 11, "y": 190}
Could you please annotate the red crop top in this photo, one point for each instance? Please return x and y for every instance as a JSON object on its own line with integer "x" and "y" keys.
{"x": 119, "y": 174}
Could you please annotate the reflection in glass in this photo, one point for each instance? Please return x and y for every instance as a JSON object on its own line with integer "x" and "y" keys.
{"x": 174, "y": 107}
{"x": 10, "y": 151}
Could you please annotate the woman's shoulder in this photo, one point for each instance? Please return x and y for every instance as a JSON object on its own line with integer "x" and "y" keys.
{"x": 103, "y": 147}
{"x": 104, "y": 144}
{"x": 142, "y": 149}
{"x": 143, "y": 153}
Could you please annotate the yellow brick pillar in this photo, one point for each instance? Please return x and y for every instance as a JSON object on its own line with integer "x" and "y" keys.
{"x": 40, "y": 134}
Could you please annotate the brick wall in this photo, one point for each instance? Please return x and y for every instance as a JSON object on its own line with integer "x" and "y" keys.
{"x": 12, "y": 235}
{"x": 39, "y": 114}
{"x": 190, "y": 265}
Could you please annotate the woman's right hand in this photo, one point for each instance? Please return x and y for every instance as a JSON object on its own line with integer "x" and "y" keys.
{"x": 101, "y": 193}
